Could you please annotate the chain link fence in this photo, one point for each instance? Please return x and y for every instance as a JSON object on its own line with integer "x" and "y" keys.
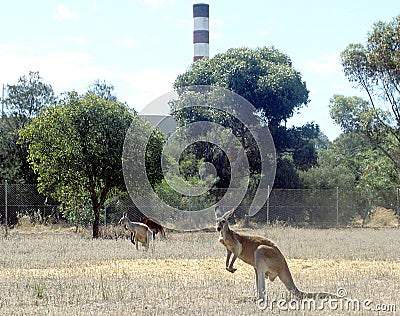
{"x": 329, "y": 208}
{"x": 17, "y": 200}
{"x": 304, "y": 208}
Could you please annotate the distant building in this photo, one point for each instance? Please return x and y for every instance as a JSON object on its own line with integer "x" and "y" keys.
{"x": 165, "y": 123}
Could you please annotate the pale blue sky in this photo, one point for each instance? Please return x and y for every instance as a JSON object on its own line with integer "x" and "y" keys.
{"x": 140, "y": 46}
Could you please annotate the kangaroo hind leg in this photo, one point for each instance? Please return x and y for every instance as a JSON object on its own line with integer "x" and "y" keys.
{"x": 268, "y": 264}
{"x": 261, "y": 268}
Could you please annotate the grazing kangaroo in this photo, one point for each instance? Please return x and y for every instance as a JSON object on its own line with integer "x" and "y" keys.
{"x": 154, "y": 225}
{"x": 139, "y": 231}
{"x": 262, "y": 254}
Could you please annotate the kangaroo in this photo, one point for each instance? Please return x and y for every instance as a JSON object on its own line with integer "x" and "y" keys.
{"x": 139, "y": 231}
{"x": 262, "y": 254}
{"x": 154, "y": 225}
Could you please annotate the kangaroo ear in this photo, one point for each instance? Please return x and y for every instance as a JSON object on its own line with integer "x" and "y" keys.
{"x": 228, "y": 214}
{"x": 218, "y": 212}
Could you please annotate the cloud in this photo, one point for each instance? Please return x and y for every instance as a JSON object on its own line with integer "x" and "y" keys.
{"x": 147, "y": 85}
{"x": 128, "y": 42}
{"x": 63, "y": 13}
{"x": 64, "y": 71}
{"x": 76, "y": 39}
{"x": 93, "y": 9}
{"x": 67, "y": 71}
{"x": 324, "y": 64}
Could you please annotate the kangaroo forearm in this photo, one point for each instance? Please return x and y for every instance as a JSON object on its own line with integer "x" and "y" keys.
{"x": 233, "y": 260}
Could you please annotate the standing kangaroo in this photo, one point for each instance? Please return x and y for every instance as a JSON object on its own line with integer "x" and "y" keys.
{"x": 139, "y": 231}
{"x": 262, "y": 254}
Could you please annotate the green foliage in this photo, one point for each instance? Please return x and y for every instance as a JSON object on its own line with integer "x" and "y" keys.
{"x": 190, "y": 169}
{"x": 102, "y": 90}
{"x": 10, "y": 160}
{"x": 75, "y": 149}
{"x": 220, "y": 105}
{"x": 353, "y": 114}
{"x": 375, "y": 68}
{"x": 263, "y": 76}
{"x": 267, "y": 79}
{"x": 300, "y": 143}
{"x": 286, "y": 174}
{"x": 23, "y": 101}
{"x": 153, "y": 157}
{"x": 78, "y": 211}
{"x": 337, "y": 167}
{"x": 26, "y": 99}
{"x": 360, "y": 171}
{"x": 369, "y": 149}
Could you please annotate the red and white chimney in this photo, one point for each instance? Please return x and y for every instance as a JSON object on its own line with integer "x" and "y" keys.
{"x": 201, "y": 31}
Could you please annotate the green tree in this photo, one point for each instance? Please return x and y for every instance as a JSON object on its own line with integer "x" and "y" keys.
{"x": 76, "y": 149}
{"x": 263, "y": 76}
{"x": 375, "y": 69}
{"x": 338, "y": 168}
{"x": 267, "y": 79}
{"x": 192, "y": 172}
{"x": 363, "y": 174}
{"x": 23, "y": 102}
{"x": 338, "y": 165}
{"x": 102, "y": 90}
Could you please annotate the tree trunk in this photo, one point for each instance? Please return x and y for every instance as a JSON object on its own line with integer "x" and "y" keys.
{"x": 97, "y": 206}
{"x": 96, "y": 222}
{"x": 96, "y": 209}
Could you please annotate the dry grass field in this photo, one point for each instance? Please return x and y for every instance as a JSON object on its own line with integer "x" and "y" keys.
{"x": 58, "y": 272}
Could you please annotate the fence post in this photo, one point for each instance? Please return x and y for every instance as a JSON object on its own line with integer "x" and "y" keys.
{"x": 6, "y": 206}
{"x": 337, "y": 207}
{"x": 268, "y": 192}
{"x": 398, "y": 202}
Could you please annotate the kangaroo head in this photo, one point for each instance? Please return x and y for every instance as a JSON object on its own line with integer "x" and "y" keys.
{"x": 222, "y": 219}
{"x": 123, "y": 219}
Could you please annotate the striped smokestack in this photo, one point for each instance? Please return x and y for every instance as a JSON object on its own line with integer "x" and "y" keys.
{"x": 200, "y": 32}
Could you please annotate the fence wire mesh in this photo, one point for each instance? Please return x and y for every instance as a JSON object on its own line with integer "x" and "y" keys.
{"x": 299, "y": 207}
{"x": 23, "y": 199}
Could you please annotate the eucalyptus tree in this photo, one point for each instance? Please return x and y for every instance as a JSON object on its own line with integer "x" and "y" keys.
{"x": 75, "y": 149}
{"x": 22, "y": 102}
{"x": 267, "y": 79}
{"x": 374, "y": 67}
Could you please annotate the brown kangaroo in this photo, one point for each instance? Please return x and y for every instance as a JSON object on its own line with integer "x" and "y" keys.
{"x": 262, "y": 254}
{"x": 154, "y": 225}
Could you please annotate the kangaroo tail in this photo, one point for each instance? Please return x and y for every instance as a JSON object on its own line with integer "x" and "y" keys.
{"x": 314, "y": 295}
{"x": 287, "y": 279}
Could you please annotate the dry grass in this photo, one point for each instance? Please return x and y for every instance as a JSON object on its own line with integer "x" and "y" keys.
{"x": 383, "y": 217}
{"x": 57, "y": 272}
{"x": 379, "y": 217}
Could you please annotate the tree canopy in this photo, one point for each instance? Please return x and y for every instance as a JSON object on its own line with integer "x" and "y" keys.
{"x": 267, "y": 79}
{"x": 75, "y": 149}
{"x": 263, "y": 76}
{"x": 23, "y": 101}
{"x": 375, "y": 68}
